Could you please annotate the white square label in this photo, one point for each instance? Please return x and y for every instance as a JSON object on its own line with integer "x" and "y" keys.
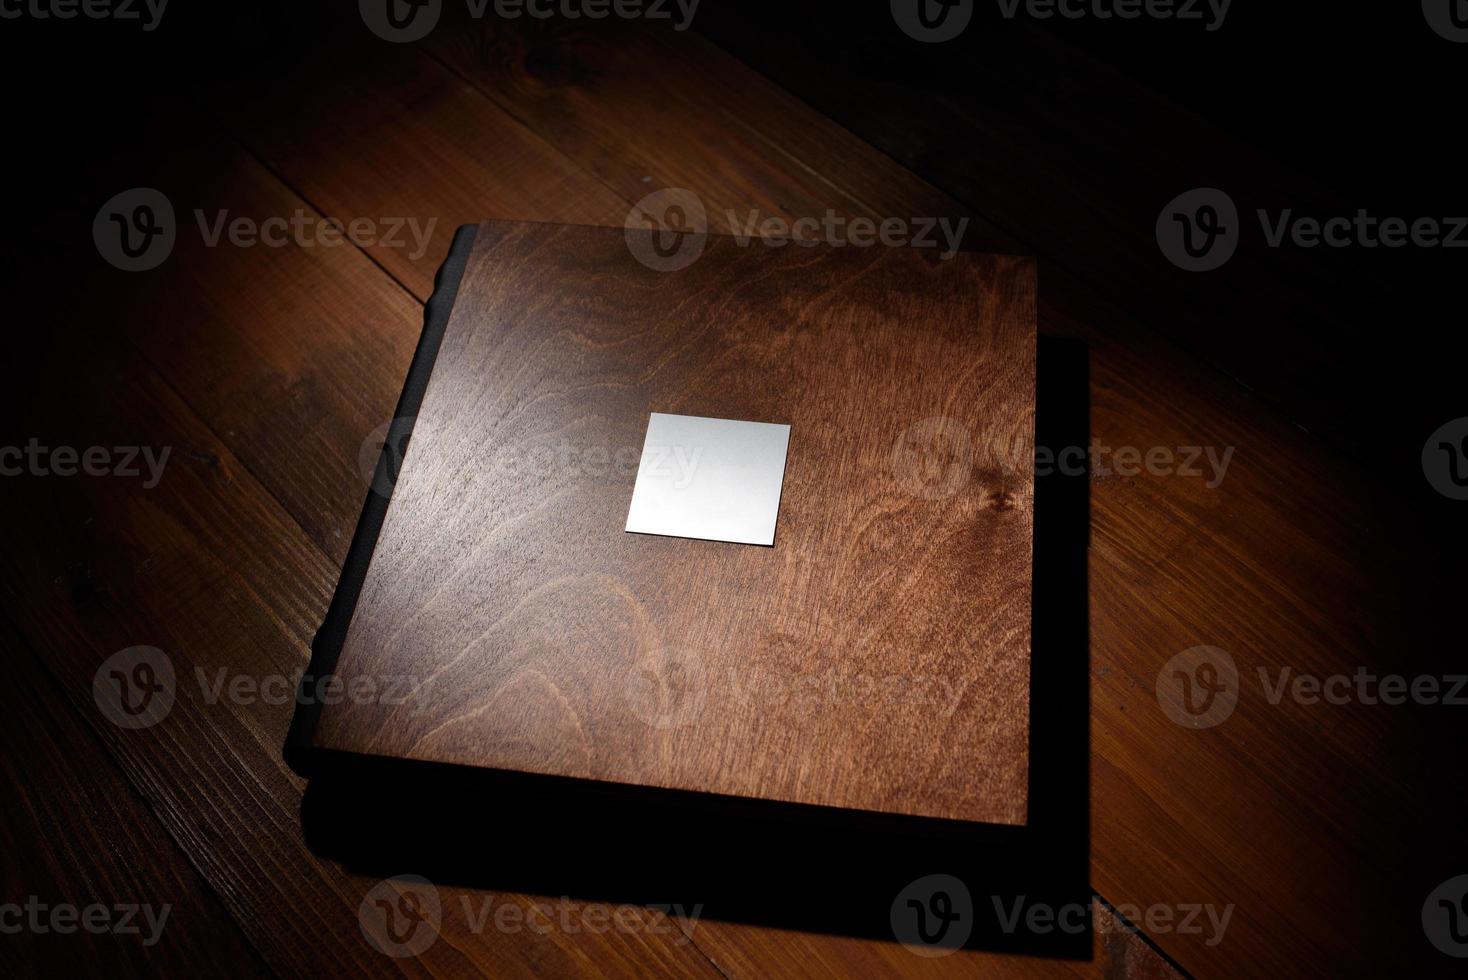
{"x": 714, "y": 479}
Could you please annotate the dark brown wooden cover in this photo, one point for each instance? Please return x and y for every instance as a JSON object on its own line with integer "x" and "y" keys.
{"x": 875, "y": 658}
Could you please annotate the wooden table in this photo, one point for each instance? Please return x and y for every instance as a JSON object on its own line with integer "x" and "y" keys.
{"x": 265, "y": 369}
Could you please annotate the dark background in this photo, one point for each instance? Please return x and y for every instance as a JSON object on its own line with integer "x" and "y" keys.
{"x": 1317, "y": 109}
{"x": 1320, "y": 108}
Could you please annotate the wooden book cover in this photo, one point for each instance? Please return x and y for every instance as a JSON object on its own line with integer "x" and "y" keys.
{"x": 495, "y": 612}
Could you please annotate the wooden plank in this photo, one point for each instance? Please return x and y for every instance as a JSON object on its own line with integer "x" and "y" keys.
{"x": 1277, "y": 578}
{"x": 738, "y": 950}
{"x": 1070, "y": 163}
{"x": 532, "y": 612}
{"x": 591, "y": 89}
{"x": 194, "y": 566}
{"x": 214, "y": 358}
{"x": 294, "y": 353}
{"x": 471, "y": 178}
{"x": 208, "y": 566}
{"x": 76, "y": 834}
{"x": 378, "y": 130}
{"x": 765, "y": 946}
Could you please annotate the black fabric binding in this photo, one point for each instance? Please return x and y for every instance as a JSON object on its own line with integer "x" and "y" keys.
{"x": 327, "y": 645}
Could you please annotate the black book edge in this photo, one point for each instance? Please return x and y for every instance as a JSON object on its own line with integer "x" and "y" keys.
{"x": 299, "y": 750}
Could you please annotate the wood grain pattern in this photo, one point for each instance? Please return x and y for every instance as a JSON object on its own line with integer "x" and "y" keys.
{"x": 271, "y": 367}
{"x": 1280, "y": 577}
{"x": 76, "y": 833}
{"x": 1074, "y": 163}
{"x": 758, "y": 950}
{"x": 843, "y": 667}
{"x": 259, "y": 402}
{"x": 209, "y": 568}
{"x": 1118, "y": 953}
{"x": 380, "y": 131}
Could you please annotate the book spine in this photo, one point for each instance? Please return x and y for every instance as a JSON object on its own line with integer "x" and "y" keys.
{"x": 327, "y": 644}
